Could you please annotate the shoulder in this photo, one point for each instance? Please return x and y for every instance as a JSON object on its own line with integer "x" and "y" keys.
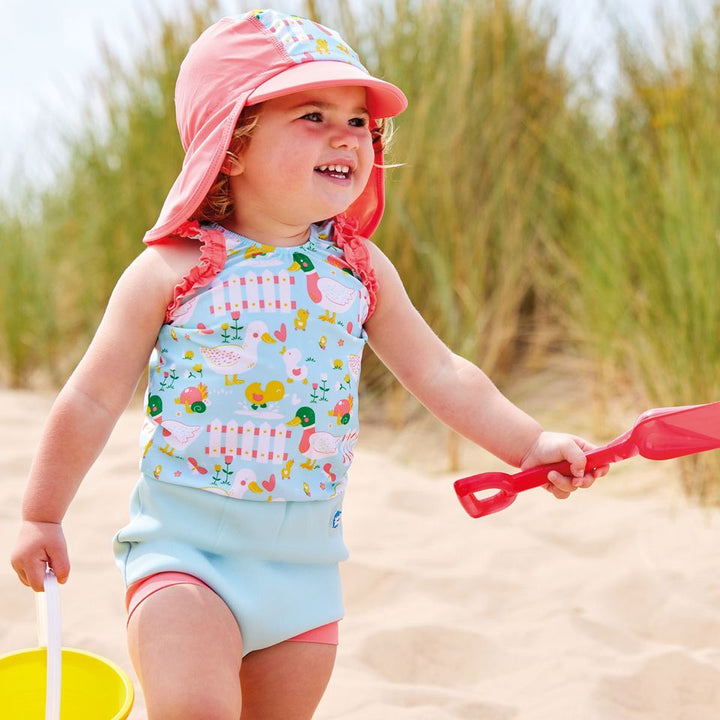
{"x": 157, "y": 270}
{"x": 173, "y": 259}
{"x": 381, "y": 263}
{"x": 167, "y": 263}
{"x": 390, "y": 283}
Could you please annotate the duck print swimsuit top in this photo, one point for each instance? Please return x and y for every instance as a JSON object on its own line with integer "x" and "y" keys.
{"x": 252, "y": 389}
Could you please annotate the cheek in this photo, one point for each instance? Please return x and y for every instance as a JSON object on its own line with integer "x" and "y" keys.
{"x": 366, "y": 156}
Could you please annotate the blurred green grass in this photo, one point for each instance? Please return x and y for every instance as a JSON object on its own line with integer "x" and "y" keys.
{"x": 523, "y": 226}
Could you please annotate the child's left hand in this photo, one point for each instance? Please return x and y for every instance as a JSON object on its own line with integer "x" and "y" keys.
{"x": 553, "y": 447}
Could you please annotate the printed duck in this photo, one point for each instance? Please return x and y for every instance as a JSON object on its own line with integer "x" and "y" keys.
{"x": 330, "y": 294}
{"x": 232, "y": 360}
{"x": 313, "y": 444}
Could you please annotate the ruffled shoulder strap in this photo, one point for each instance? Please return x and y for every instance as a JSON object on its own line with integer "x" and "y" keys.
{"x": 211, "y": 262}
{"x": 357, "y": 255}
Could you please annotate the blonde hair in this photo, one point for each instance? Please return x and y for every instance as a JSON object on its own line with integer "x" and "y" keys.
{"x": 218, "y": 203}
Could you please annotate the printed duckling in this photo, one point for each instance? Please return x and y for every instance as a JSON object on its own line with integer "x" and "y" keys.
{"x": 256, "y": 250}
{"x": 232, "y": 360}
{"x": 300, "y": 321}
{"x": 295, "y": 370}
{"x": 313, "y": 444}
{"x": 285, "y": 472}
{"x": 259, "y": 398}
{"x": 330, "y": 294}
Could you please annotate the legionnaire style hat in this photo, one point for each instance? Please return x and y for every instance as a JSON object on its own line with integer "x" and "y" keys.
{"x": 241, "y": 61}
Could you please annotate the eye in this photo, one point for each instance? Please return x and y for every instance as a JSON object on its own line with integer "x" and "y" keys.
{"x": 313, "y": 117}
{"x": 358, "y": 122}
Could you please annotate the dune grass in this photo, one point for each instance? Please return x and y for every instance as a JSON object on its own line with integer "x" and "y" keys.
{"x": 87, "y": 224}
{"x": 644, "y": 254}
{"x": 521, "y": 226}
{"x": 467, "y": 208}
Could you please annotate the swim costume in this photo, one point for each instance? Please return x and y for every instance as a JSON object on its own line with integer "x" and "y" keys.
{"x": 252, "y": 388}
{"x": 253, "y": 383}
{"x": 249, "y": 434}
{"x": 274, "y": 564}
{"x": 140, "y": 591}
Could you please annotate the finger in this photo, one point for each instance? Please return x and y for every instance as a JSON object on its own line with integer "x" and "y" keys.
{"x": 574, "y": 453}
{"x": 561, "y": 482}
{"x": 591, "y": 476}
{"x": 22, "y": 576}
{"x": 35, "y": 575}
{"x": 59, "y": 562}
{"x": 559, "y": 493}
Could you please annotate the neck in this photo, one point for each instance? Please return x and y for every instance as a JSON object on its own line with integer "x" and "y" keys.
{"x": 268, "y": 232}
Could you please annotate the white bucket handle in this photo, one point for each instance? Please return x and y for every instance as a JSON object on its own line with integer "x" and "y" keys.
{"x": 49, "y": 634}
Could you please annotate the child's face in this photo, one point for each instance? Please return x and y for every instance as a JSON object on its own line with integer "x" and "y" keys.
{"x": 285, "y": 174}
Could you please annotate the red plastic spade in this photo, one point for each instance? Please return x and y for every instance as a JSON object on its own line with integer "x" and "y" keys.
{"x": 658, "y": 434}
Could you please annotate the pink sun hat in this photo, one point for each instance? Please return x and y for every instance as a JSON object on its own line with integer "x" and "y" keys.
{"x": 246, "y": 60}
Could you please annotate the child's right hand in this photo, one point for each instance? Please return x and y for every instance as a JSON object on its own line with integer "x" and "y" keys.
{"x": 39, "y": 544}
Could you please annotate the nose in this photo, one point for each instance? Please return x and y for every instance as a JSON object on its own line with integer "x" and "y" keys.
{"x": 343, "y": 136}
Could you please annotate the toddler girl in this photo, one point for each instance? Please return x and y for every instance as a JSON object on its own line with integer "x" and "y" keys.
{"x": 253, "y": 302}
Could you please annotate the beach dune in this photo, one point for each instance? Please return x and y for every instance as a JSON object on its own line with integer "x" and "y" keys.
{"x": 603, "y": 607}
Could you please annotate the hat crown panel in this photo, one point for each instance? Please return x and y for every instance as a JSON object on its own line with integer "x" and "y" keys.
{"x": 304, "y": 40}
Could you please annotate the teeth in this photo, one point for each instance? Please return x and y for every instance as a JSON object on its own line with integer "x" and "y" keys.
{"x": 345, "y": 169}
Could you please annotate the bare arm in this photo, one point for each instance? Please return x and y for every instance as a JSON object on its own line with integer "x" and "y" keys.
{"x": 89, "y": 405}
{"x": 457, "y": 391}
{"x": 452, "y": 388}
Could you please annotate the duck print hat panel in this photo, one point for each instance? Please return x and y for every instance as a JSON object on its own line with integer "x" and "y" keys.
{"x": 244, "y": 61}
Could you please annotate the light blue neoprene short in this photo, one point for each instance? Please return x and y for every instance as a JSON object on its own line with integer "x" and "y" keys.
{"x": 275, "y": 564}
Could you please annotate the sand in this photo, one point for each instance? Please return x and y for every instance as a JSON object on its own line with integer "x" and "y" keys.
{"x": 602, "y": 607}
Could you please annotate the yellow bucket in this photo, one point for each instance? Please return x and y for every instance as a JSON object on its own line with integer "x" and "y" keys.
{"x": 93, "y": 688}
{"x": 56, "y": 683}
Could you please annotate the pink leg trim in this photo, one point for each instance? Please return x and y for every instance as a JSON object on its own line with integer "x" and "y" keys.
{"x": 325, "y": 634}
{"x": 143, "y": 589}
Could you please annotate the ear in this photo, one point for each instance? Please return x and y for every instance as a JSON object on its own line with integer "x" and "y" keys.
{"x": 232, "y": 166}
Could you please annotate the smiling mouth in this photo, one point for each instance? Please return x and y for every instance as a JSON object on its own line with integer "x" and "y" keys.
{"x": 341, "y": 172}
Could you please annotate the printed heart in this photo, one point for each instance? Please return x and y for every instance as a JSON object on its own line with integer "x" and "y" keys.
{"x": 281, "y": 334}
{"x": 269, "y": 484}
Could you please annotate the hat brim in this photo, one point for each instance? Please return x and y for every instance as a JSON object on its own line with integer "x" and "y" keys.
{"x": 383, "y": 98}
